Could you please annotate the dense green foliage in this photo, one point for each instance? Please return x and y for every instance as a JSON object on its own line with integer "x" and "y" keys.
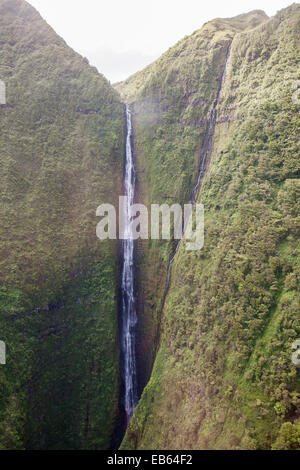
{"x": 61, "y": 147}
{"x": 223, "y": 376}
{"x": 171, "y": 100}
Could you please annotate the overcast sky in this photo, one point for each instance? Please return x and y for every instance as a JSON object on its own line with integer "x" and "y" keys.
{"x": 120, "y": 37}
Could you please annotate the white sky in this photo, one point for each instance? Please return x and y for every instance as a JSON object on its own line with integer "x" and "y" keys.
{"x": 122, "y": 36}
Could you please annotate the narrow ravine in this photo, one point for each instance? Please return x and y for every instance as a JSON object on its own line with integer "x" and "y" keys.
{"x": 128, "y": 301}
{"x": 203, "y": 160}
{"x": 128, "y": 304}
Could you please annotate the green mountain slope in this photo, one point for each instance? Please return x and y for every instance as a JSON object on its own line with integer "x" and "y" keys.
{"x": 61, "y": 153}
{"x": 223, "y": 376}
{"x": 171, "y": 100}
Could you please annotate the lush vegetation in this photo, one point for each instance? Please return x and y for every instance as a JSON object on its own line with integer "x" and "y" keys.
{"x": 171, "y": 99}
{"x": 222, "y": 339}
{"x": 223, "y": 376}
{"x": 61, "y": 152}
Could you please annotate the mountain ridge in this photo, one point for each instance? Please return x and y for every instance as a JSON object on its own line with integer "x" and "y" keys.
{"x": 231, "y": 313}
{"x": 254, "y": 16}
{"x": 214, "y": 350}
{"x": 58, "y": 294}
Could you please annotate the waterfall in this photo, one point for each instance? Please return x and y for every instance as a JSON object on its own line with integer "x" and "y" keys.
{"x": 204, "y": 153}
{"x": 129, "y": 316}
{"x": 209, "y": 135}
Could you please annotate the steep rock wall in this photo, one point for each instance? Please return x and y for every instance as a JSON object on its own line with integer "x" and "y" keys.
{"x": 61, "y": 155}
{"x": 223, "y": 376}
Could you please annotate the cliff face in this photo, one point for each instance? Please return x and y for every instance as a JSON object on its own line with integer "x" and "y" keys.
{"x": 171, "y": 100}
{"x": 223, "y": 376}
{"x": 222, "y": 337}
{"x": 61, "y": 155}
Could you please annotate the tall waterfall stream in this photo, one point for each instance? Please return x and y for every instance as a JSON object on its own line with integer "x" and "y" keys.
{"x": 128, "y": 301}
{"x": 129, "y": 316}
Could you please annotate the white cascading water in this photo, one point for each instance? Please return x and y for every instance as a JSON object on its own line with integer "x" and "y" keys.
{"x": 129, "y": 316}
